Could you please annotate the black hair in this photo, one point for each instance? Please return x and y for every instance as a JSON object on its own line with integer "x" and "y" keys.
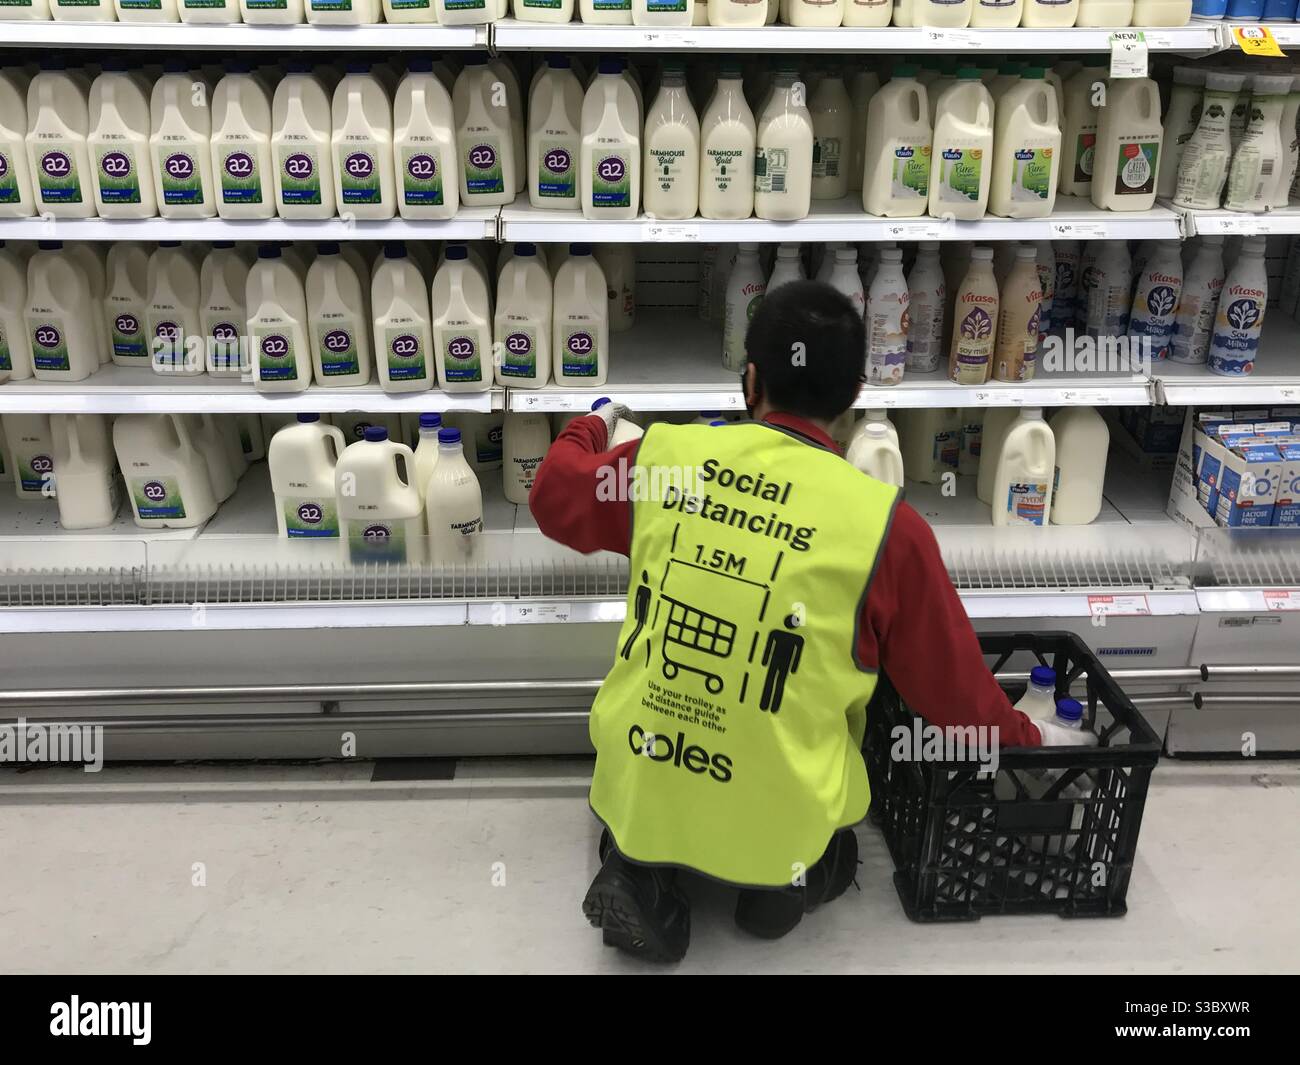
{"x": 809, "y": 348}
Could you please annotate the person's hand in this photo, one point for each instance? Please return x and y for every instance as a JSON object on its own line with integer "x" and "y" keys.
{"x": 1055, "y": 735}
{"x": 610, "y": 413}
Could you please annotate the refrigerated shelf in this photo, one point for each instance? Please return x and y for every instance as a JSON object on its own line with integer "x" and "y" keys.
{"x": 1275, "y": 379}
{"x": 109, "y": 36}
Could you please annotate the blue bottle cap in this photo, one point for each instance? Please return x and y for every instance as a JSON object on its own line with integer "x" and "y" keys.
{"x": 309, "y": 417}
{"x": 610, "y": 65}
{"x": 222, "y": 245}
{"x": 449, "y": 436}
{"x": 1069, "y": 709}
{"x": 395, "y": 249}
{"x": 558, "y": 62}
{"x": 420, "y": 64}
{"x": 579, "y": 249}
{"x": 49, "y": 245}
{"x": 600, "y": 403}
{"x": 430, "y": 421}
{"x": 376, "y": 433}
{"x": 476, "y": 59}
{"x": 717, "y": 421}
{"x": 268, "y": 251}
{"x": 1043, "y": 676}
{"x": 457, "y": 252}
{"x": 710, "y": 414}
{"x": 169, "y": 244}
{"x": 525, "y": 249}
{"x": 327, "y": 247}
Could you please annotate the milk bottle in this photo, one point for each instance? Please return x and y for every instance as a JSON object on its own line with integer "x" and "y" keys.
{"x": 832, "y": 117}
{"x": 241, "y": 145}
{"x": 663, "y": 12}
{"x": 783, "y": 157}
{"x": 1161, "y": 12}
{"x": 30, "y": 452}
{"x": 180, "y": 144}
{"x": 975, "y": 321}
{"x": 1022, "y": 487}
{"x": 380, "y": 508}
{"x": 727, "y": 145}
{"x": 462, "y": 325}
{"x": 996, "y": 13}
{"x": 403, "y": 339}
{"x": 963, "y": 146}
{"x": 788, "y": 267}
{"x": 484, "y": 141}
{"x": 554, "y": 136}
{"x": 735, "y": 13}
{"x": 210, "y": 440}
{"x": 122, "y": 176}
{"x": 223, "y": 310}
{"x": 248, "y": 433}
{"x": 173, "y": 328}
{"x": 1109, "y": 13}
{"x": 1243, "y": 300}
{"x": 424, "y": 149}
{"x": 671, "y": 166}
{"x": 927, "y": 298}
{"x": 865, "y": 85}
{"x": 1066, "y": 283}
{"x": 271, "y": 12}
{"x": 279, "y": 347}
{"x": 946, "y": 13}
{"x": 606, "y": 12}
{"x": 303, "y": 164}
{"x": 580, "y": 328}
{"x": 362, "y": 144}
{"x": 15, "y": 337}
{"x": 302, "y": 460}
{"x": 1290, "y": 148}
{"x": 65, "y": 337}
{"x": 1079, "y": 130}
{"x": 522, "y": 326}
{"x": 338, "y": 319}
{"x": 887, "y": 321}
{"x": 1128, "y": 146}
{"x": 92, "y": 259}
{"x": 1181, "y": 118}
{"x": 58, "y": 121}
{"x": 343, "y": 12}
{"x": 1049, "y": 14}
{"x": 618, "y": 264}
{"x": 15, "y": 173}
{"x": 930, "y": 440}
{"x": 610, "y": 171}
{"x": 745, "y": 290}
{"x": 453, "y": 502}
{"x": 844, "y": 279}
{"x": 1156, "y": 297}
{"x": 871, "y": 416}
{"x": 504, "y": 74}
{"x": 527, "y": 437}
{"x": 1260, "y": 155}
{"x": 625, "y": 430}
{"x": 354, "y": 426}
{"x": 1020, "y": 305}
{"x": 896, "y": 167}
{"x": 1027, "y": 136}
{"x": 1039, "y": 700}
{"x": 1111, "y": 282}
{"x": 125, "y": 299}
{"x": 167, "y": 478}
{"x": 87, "y": 486}
{"x": 1198, "y": 302}
{"x": 426, "y": 446}
{"x": 997, "y": 422}
{"x": 1046, "y": 263}
{"x": 875, "y": 453}
{"x": 1082, "y": 440}
{"x": 209, "y": 11}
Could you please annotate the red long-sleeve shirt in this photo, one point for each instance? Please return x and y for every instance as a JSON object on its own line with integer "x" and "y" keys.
{"x": 913, "y": 625}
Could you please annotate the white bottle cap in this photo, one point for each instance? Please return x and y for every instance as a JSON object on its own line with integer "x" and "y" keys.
{"x": 891, "y": 255}
{"x": 875, "y": 414}
{"x": 929, "y": 245}
{"x": 982, "y": 254}
{"x": 1026, "y": 251}
{"x": 787, "y": 251}
{"x": 875, "y": 429}
{"x": 1222, "y": 81}
{"x": 1032, "y": 413}
{"x": 749, "y": 247}
{"x": 846, "y": 255}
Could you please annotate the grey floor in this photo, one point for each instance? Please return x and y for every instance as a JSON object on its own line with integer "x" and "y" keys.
{"x": 183, "y": 869}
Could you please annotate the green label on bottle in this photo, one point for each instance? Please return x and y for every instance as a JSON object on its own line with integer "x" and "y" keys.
{"x": 35, "y": 474}
{"x": 376, "y": 541}
{"x": 299, "y": 175}
{"x": 179, "y": 176}
{"x": 578, "y": 356}
{"x": 359, "y": 175}
{"x": 404, "y": 348}
{"x": 462, "y": 360}
{"x": 556, "y": 175}
{"x": 50, "y": 345}
{"x": 1031, "y": 173}
{"x": 117, "y": 174}
{"x": 519, "y": 352}
{"x": 1084, "y": 148}
{"x": 275, "y": 355}
{"x": 337, "y": 348}
{"x": 331, "y": 5}
{"x": 421, "y": 177}
{"x": 240, "y": 176}
{"x": 483, "y": 175}
{"x": 311, "y": 518}
{"x": 140, "y": 5}
{"x": 157, "y": 497}
{"x": 56, "y": 173}
{"x": 127, "y": 330}
{"x": 611, "y": 180}
{"x": 8, "y": 180}
{"x": 911, "y": 171}
{"x": 959, "y": 174}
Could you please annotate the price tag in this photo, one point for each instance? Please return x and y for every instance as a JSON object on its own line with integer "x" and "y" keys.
{"x": 538, "y": 613}
{"x": 955, "y": 38}
{"x": 1119, "y": 605}
{"x": 1256, "y": 40}
{"x": 660, "y": 39}
{"x": 1083, "y": 398}
{"x": 534, "y": 401}
{"x": 669, "y": 231}
{"x": 1079, "y": 230}
{"x": 1128, "y": 54}
{"x": 999, "y": 398}
{"x": 1282, "y": 599}
{"x": 1288, "y": 393}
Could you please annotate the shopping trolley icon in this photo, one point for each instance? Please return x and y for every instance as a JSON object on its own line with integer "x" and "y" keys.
{"x": 696, "y": 642}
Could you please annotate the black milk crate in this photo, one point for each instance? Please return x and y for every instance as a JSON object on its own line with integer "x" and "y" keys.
{"x": 966, "y": 843}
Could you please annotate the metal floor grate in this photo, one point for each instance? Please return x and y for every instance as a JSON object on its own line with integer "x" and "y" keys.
{"x": 1249, "y": 561}
{"x": 77, "y": 587}
{"x": 982, "y": 570}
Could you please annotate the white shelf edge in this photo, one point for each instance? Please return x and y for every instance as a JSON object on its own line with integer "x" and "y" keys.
{"x": 38, "y": 34}
{"x": 1195, "y": 392}
{"x": 478, "y": 223}
{"x": 225, "y": 617}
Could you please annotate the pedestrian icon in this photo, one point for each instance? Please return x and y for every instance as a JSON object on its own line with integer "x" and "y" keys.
{"x": 781, "y": 656}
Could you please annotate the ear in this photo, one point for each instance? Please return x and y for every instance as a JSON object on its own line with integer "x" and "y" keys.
{"x": 752, "y": 392}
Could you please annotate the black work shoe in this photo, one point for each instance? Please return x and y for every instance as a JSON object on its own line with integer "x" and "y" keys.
{"x": 769, "y": 913}
{"x": 834, "y": 871}
{"x": 605, "y": 846}
{"x": 639, "y": 909}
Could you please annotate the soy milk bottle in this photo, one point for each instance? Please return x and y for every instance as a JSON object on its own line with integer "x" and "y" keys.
{"x": 400, "y": 301}
{"x": 745, "y": 290}
{"x": 580, "y": 325}
{"x": 1198, "y": 302}
{"x": 223, "y": 309}
{"x": 462, "y": 325}
{"x": 887, "y": 321}
{"x": 362, "y": 144}
{"x": 58, "y": 122}
{"x": 963, "y": 148}
{"x": 380, "y": 508}
{"x": 522, "y": 325}
{"x": 1156, "y": 297}
{"x": 279, "y": 348}
{"x": 119, "y": 144}
{"x": 180, "y": 144}
{"x": 125, "y": 299}
{"x": 896, "y": 168}
{"x": 975, "y": 321}
{"x": 241, "y": 145}
{"x": 338, "y": 325}
{"x": 784, "y": 152}
{"x": 610, "y": 173}
{"x": 302, "y": 460}
{"x": 1243, "y": 301}
{"x": 453, "y": 501}
{"x": 1027, "y": 149}
{"x": 1019, "y": 306}
{"x": 65, "y": 339}
{"x": 484, "y": 139}
{"x": 554, "y": 136}
{"x": 671, "y": 166}
{"x": 727, "y": 144}
{"x": 166, "y": 476}
{"x": 15, "y": 172}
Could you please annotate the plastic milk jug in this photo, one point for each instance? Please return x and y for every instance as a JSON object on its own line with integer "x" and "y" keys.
{"x": 122, "y": 175}
{"x": 1155, "y": 298}
{"x": 527, "y": 436}
{"x": 125, "y": 299}
{"x": 727, "y": 144}
{"x": 925, "y": 310}
{"x": 338, "y": 319}
{"x": 30, "y": 446}
{"x": 302, "y": 460}
{"x": 271, "y": 12}
{"x": 210, "y": 440}
{"x": 380, "y": 508}
{"x": 671, "y": 166}
{"x": 832, "y": 119}
{"x": 58, "y": 121}
{"x": 945, "y": 13}
{"x": 1019, "y": 306}
{"x": 875, "y": 453}
{"x": 223, "y": 311}
{"x": 1079, "y": 131}
{"x": 1113, "y": 14}
{"x": 180, "y": 144}
{"x": 580, "y": 322}
{"x": 343, "y": 12}
{"x": 745, "y": 290}
{"x": 166, "y": 477}
{"x": 887, "y": 321}
{"x": 303, "y": 160}
{"x": 874, "y": 415}
{"x": 1198, "y": 302}
{"x": 975, "y": 321}
{"x": 610, "y": 170}
{"x": 1022, "y": 487}
{"x": 1128, "y": 146}
{"x": 997, "y": 422}
{"x": 963, "y": 149}
{"x": 522, "y": 324}
{"x": 462, "y": 325}
{"x": 1082, "y": 440}
{"x": 1039, "y": 700}
{"x": 15, "y": 336}
{"x": 278, "y": 344}
{"x": 403, "y": 340}
{"x": 92, "y": 257}
{"x": 504, "y": 72}
{"x": 554, "y": 136}
{"x": 484, "y": 140}
{"x": 783, "y": 159}
{"x": 16, "y": 199}
{"x": 61, "y": 322}
{"x": 618, "y": 263}
{"x": 1049, "y": 14}
{"x": 469, "y": 12}
{"x": 174, "y": 330}
{"x": 1181, "y": 118}
{"x": 453, "y": 502}
{"x": 624, "y": 431}
{"x": 930, "y": 441}
{"x": 896, "y": 157}
{"x": 1234, "y": 340}
{"x": 362, "y": 144}
{"x": 241, "y": 145}
{"x": 1027, "y": 139}
{"x": 424, "y": 144}
{"x": 87, "y": 486}
{"x": 867, "y": 13}
{"x": 209, "y": 12}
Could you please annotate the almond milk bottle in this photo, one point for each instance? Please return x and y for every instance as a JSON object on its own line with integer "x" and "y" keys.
{"x": 975, "y": 321}
{"x": 119, "y": 144}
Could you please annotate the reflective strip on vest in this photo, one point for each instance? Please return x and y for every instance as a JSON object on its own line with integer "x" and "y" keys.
{"x": 728, "y": 731}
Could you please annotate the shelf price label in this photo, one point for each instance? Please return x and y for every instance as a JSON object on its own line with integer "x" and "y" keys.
{"x": 1128, "y": 54}
{"x": 1130, "y": 606}
{"x": 669, "y": 231}
{"x": 999, "y": 398}
{"x": 1079, "y": 230}
{"x": 662, "y": 39}
{"x": 955, "y": 38}
{"x": 1256, "y": 40}
{"x": 1282, "y": 599}
{"x": 538, "y": 613}
{"x": 1083, "y": 397}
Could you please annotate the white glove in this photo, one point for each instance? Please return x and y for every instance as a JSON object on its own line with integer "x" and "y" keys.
{"x": 1055, "y": 735}
{"x": 610, "y": 413}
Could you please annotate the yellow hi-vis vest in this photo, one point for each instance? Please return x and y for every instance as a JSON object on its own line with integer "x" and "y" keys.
{"x": 728, "y": 731}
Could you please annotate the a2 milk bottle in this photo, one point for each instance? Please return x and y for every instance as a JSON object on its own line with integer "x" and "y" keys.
{"x": 58, "y": 155}
{"x": 302, "y": 459}
{"x": 123, "y": 177}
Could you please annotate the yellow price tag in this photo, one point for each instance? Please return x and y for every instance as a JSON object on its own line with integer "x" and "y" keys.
{"x": 1256, "y": 40}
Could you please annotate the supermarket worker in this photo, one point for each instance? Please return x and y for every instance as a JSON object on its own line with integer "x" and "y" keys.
{"x": 771, "y": 582}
